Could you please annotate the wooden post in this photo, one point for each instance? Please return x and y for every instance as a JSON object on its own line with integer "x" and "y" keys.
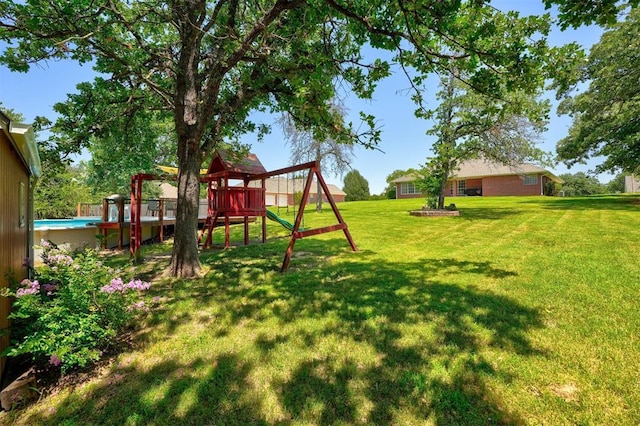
{"x": 246, "y": 200}
{"x": 264, "y": 208}
{"x": 227, "y": 205}
{"x": 161, "y": 218}
{"x": 135, "y": 231}
{"x": 296, "y": 225}
{"x": 120, "y": 202}
{"x": 105, "y": 218}
{"x": 325, "y": 188}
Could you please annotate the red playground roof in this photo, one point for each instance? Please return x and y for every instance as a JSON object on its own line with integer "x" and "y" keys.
{"x": 224, "y": 163}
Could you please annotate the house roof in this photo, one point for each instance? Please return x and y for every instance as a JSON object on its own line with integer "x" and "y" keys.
{"x": 483, "y": 168}
{"x": 281, "y": 185}
{"x": 23, "y": 139}
{"x": 406, "y": 178}
{"x": 168, "y": 190}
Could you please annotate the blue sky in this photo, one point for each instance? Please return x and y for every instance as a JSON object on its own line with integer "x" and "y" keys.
{"x": 404, "y": 142}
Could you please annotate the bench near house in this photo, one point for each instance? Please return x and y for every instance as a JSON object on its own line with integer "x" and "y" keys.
{"x": 481, "y": 177}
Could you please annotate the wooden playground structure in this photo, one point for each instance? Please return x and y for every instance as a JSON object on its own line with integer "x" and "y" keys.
{"x": 244, "y": 203}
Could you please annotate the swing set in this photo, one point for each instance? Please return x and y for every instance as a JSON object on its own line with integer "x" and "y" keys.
{"x": 242, "y": 203}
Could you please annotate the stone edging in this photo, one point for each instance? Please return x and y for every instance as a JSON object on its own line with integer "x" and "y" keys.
{"x": 434, "y": 213}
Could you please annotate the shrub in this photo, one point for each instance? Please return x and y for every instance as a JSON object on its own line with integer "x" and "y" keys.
{"x": 550, "y": 189}
{"x": 72, "y": 309}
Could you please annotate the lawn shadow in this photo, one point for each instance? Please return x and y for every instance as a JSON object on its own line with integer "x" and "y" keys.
{"x": 373, "y": 303}
{"x": 427, "y": 338}
{"x": 628, "y": 202}
{"x": 212, "y": 397}
{"x": 486, "y": 213}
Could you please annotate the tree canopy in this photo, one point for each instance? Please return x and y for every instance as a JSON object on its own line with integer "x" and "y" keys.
{"x": 574, "y": 13}
{"x": 606, "y": 116}
{"x": 209, "y": 64}
{"x": 355, "y": 186}
{"x": 580, "y": 183}
{"x": 135, "y": 146}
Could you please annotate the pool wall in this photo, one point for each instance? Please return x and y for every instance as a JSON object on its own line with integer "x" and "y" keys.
{"x": 84, "y": 236}
{"x": 73, "y": 237}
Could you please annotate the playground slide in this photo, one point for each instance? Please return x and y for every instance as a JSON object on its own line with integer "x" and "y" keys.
{"x": 271, "y": 215}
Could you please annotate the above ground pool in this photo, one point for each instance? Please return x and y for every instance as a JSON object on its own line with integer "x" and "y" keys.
{"x": 74, "y": 233}
{"x": 76, "y": 222}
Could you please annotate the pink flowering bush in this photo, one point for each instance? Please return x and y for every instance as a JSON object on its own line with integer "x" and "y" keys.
{"x": 73, "y": 309}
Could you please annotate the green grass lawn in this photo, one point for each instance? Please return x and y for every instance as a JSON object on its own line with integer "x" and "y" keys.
{"x": 520, "y": 311}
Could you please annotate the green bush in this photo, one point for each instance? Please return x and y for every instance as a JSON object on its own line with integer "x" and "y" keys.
{"x": 72, "y": 310}
{"x": 550, "y": 189}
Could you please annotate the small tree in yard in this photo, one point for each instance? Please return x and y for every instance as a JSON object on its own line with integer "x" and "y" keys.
{"x": 355, "y": 186}
{"x": 473, "y": 125}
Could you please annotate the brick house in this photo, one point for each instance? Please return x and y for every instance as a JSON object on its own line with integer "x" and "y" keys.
{"x": 481, "y": 177}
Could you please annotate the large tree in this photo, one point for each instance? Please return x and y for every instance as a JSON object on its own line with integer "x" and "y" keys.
{"x": 606, "y": 116}
{"x": 616, "y": 184}
{"x": 208, "y": 64}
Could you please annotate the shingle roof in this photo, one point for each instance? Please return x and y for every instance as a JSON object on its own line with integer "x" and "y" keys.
{"x": 223, "y": 161}
{"x": 406, "y": 178}
{"x": 483, "y": 168}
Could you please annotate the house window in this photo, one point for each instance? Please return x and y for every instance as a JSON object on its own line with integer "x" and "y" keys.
{"x": 530, "y": 179}
{"x": 408, "y": 188}
{"x": 450, "y": 188}
{"x": 462, "y": 187}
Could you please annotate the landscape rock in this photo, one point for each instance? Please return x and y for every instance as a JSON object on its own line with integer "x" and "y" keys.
{"x": 20, "y": 391}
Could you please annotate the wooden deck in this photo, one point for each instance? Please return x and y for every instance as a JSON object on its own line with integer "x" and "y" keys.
{"x": 153, "y": 222}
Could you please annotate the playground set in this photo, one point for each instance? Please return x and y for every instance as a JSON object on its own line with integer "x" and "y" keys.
{"x": 244, "y": 203}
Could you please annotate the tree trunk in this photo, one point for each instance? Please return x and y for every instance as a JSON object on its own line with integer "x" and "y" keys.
{"x": 319, "y": 196}
{"x": 189, "y": 124}
{"x": 185, "y": 260}
{"x": 446, "y": 170}
{"x": 443, "y": 189}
